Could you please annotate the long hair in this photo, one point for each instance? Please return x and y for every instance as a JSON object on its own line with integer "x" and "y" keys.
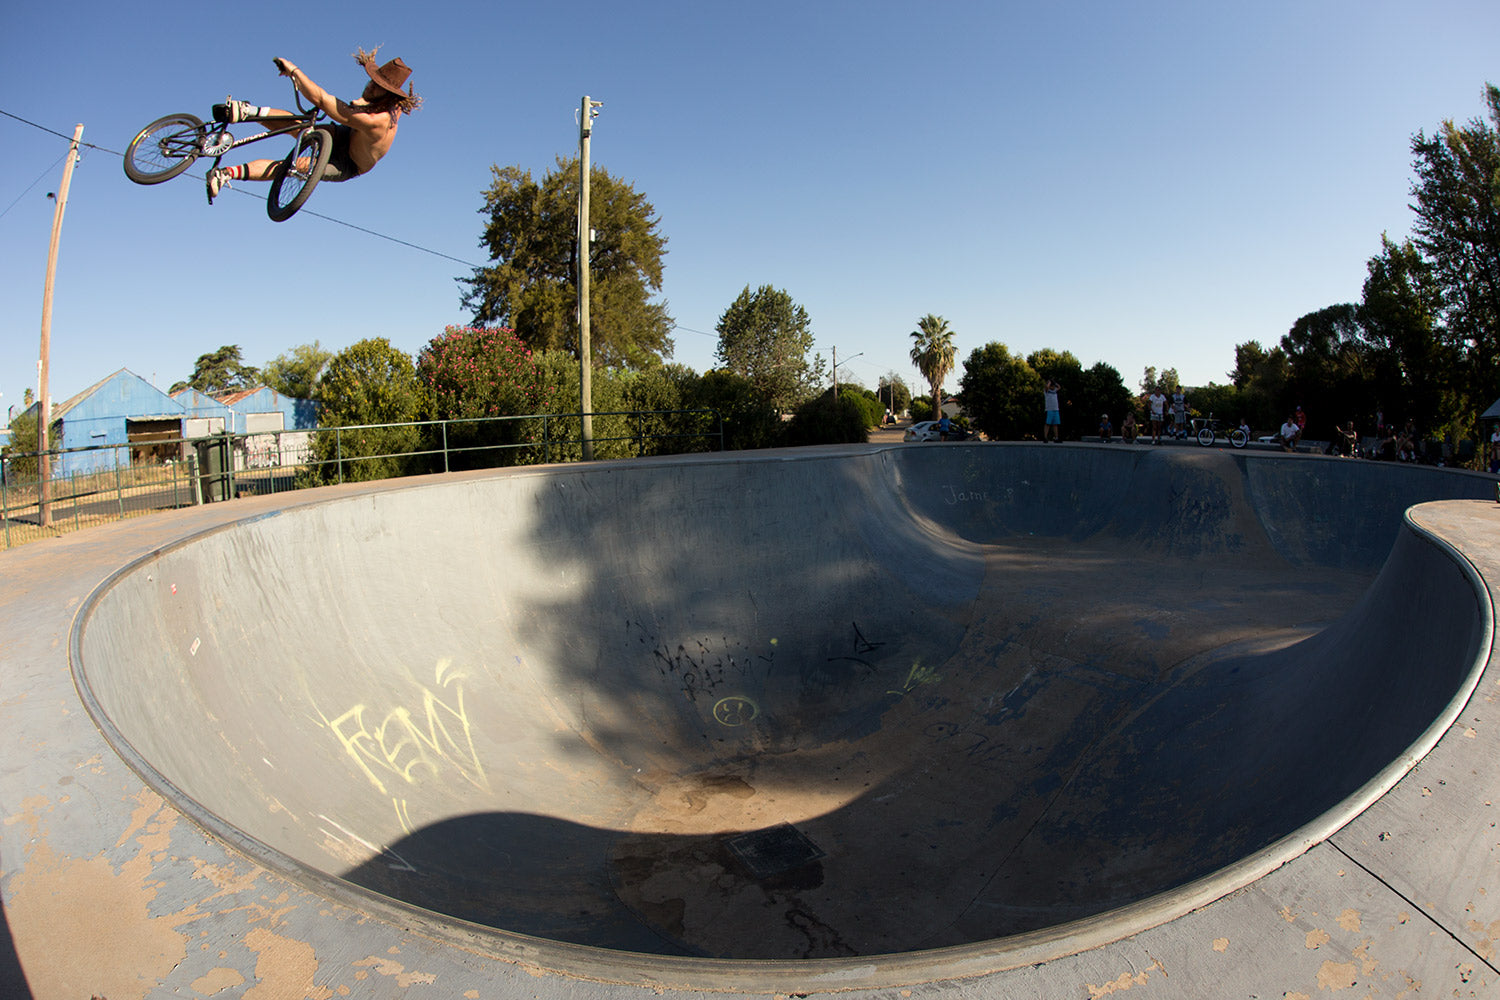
{"x": 406, "y": 103}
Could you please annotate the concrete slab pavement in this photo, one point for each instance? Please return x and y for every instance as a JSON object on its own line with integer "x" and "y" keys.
{"x": 1098, "y": 709}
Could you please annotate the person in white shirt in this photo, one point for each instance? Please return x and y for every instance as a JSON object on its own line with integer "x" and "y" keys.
{"x": 1289, "y": 432}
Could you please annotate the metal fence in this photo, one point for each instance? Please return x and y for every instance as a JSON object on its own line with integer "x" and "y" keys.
{"x": 103, "y": 483}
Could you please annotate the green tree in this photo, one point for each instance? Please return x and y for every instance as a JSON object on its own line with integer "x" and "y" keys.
{"x": 1100, "y": 390}
{"x": 1400, "y": 312}
{"x": 765, "y": 337}
{"x": 1332, "y": 366}
{"x": 829, "y": 419}
{"x": 894, "y": 392}
{"x": 20, "y": 450}
{"x": 220, "y": 371}
{"x": 1002, "y": 393}
{"x": 668, "y": 388}
{"x": 295, "y": 372}
{"x": 750, "y": 419}
{"x": 477, "y": 372}
{"x": 933, "y": 354}
{"x": 369, "y": 382}
{"x": 1457, "y": 230}
{"x": 531, "y": 234}
{"x": 1263, "y": 379}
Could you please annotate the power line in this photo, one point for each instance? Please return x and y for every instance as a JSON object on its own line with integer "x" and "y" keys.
{"x": 33, "y": 184}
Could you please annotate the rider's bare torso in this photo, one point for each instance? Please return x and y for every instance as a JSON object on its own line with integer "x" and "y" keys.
{"x": 372, "y": 132}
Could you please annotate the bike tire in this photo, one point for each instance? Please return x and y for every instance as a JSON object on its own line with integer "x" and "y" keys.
{"x": 1238, "y": 438}
{"x": 294, "y": 178}
{"x": 164, "y": 149}
{"x": 1205, "y": 437}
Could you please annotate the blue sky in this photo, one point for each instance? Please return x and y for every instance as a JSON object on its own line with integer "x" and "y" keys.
{"x": 1142, "y": 184}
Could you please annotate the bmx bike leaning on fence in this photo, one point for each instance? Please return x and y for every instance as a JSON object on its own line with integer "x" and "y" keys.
{"x": 1209, "y": 430}
{"x": 172, "y": 143}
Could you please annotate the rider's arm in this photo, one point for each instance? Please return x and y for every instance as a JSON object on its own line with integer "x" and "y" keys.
{"x": 320, "y": 98}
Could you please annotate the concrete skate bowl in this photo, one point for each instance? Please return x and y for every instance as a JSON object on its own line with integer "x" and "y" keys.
{"x": 851, "y": 716}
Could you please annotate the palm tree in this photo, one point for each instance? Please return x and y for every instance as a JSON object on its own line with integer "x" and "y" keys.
{"x": 933, "y": 353}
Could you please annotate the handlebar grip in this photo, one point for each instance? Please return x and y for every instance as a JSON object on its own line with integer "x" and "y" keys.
{"x": 280, "y": 65}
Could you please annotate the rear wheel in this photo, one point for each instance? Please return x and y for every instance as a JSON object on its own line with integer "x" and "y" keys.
{"x": 1205, "y": 437}
{"x": 296, "y": 176}
{"x": 1238, "y": 438}
{"x": 164, "y": 149}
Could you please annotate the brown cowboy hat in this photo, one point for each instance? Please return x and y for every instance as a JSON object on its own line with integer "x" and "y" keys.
{"x": 391, "y": 76}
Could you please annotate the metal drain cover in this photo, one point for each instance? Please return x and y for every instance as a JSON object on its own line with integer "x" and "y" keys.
{"x": 776, "y": 850}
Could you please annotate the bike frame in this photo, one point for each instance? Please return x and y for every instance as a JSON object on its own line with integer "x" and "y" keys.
{"x": 299, "y": 124}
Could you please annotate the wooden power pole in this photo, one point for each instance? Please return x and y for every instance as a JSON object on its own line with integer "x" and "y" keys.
{"x": 44, "y": 397}
{"x": 585, "y": 247}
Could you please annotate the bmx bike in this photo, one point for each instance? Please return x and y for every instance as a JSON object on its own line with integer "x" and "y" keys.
{"x": 1209, "y": 431}
{"x": 172, "y": 143}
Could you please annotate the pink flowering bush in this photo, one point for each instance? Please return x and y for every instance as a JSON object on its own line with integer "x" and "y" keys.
{"x": 474, "y": 372}
{"x": 481, "y": 371}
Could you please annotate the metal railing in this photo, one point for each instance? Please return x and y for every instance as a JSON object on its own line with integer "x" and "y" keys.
{"x": 101, "y": 483}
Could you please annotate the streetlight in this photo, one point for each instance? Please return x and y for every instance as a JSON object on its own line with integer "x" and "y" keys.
{"x": 836, "y": 368}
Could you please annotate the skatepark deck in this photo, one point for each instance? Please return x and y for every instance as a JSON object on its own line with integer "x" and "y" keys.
{"x": 797, "y": 721}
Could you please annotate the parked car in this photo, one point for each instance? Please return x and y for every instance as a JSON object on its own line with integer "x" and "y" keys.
{"x": 927, "y": 430}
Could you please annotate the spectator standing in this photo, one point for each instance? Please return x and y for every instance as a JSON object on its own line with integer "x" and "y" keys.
{"x": 1179, "y": 414}
{"x": 1158, "y": 410}
{"x": 1052, "y": 429}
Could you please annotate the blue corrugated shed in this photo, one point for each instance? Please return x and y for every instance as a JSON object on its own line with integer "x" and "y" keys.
{"x": 126, "y": 409}
{"x": 202, "y": 405}
{"x": 297, "y": 414}
{"x": 101, "y": 415}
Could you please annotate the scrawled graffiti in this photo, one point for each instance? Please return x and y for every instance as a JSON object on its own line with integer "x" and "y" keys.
{"x": 701, "y": 666}
{"x": 917, "y": 676}
{"x": 410, "y": 743}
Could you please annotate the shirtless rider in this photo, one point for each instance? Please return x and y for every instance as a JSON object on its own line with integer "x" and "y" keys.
{"x": 364, "y": 131}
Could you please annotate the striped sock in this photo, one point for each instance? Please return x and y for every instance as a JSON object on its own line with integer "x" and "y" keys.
{"x": 239, "y": 172}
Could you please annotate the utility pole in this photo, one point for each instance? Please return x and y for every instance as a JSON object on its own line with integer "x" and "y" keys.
{"x": 586, "y": 115}
{"x": 44, "y": 398}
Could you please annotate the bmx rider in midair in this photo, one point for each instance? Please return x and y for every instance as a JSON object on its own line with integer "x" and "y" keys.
{"x": 364, "y": 128}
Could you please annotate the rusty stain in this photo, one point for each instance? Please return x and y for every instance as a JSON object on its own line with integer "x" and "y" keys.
{"x": 1349, "y": 920}
{"x": 1316, "y": 938}
{"x": 390, "y": 967}
{"x": 1125, "y": 981}
{"x": 1367, "y": 964}
{"x": 283, "y": 968}
{"x": 87, "y": 899}
{"x": 1288, "y": 915}
{"x": 217, "y": 980}
{"x": 1489, "y": 934}
{"x": 1337, "y": 976}
{"x": 1221, "y": 944}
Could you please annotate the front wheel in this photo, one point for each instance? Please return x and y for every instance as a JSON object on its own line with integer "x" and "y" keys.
{"x": 1238, "y": 438}
{"x": 1205, "y": 437}
{"x": 295, "y": 177}
{"x": 164, "y": 149}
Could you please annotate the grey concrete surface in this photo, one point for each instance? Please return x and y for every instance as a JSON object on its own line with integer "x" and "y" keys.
{"x": 1060, "y": 720}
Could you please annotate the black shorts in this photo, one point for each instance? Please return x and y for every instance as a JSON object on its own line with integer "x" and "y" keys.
{"x": 340, "y": 165}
